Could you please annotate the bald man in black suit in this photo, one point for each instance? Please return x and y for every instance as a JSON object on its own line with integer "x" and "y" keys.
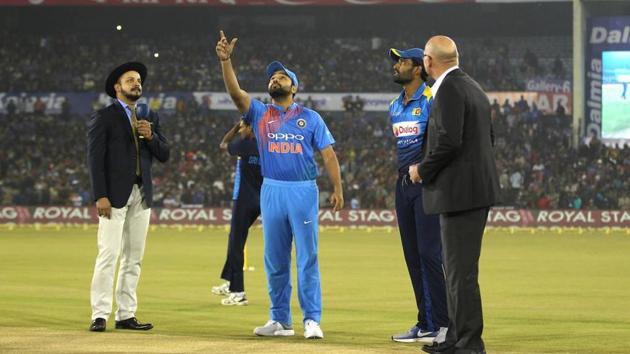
{"x": 460, "y": 183}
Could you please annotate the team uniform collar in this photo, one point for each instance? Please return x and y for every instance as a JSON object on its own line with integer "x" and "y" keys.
{"x": 416, "y": 95}
{"x": 281, "y": 109}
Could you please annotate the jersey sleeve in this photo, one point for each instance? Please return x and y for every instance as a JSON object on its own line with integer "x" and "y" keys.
{"x": 424, "y": 119}
{"x": 256, "y": 110}
{"x": 392, "y": 104}
{"x": 427, "y": 104}
{"x": 428, "y": 99}
{"x": 321, "y": 135}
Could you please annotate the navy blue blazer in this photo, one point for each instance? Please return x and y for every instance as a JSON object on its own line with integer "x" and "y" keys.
{"x": 112, "y": 155}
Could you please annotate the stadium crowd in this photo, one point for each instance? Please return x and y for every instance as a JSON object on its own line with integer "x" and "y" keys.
{"x": 38, "y": 63}
{"x": 42, "y": 157}
{"x": 539, "y": 169}
{"x": 42, "y": 161}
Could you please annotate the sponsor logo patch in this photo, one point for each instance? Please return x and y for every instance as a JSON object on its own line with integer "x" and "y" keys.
{"x": 285, "y": 136}
{"x": 284, "y": 148}
{"x": 403, "y": 129}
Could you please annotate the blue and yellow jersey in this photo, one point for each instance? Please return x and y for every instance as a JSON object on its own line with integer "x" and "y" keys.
{"x": 288, "y": 140}
{"x": 409, "y": 123}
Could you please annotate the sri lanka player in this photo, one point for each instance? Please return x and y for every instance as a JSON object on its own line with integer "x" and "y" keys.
{"x": 419, "y": 233}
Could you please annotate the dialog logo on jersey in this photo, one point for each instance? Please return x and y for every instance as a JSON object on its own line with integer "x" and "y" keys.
{"x": 403, "y": 129}
{"x": 285, "y": 143}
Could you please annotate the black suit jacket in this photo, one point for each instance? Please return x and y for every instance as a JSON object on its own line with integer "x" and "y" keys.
{"x": 112, "y": 155}
{"x": 458, "y": 169}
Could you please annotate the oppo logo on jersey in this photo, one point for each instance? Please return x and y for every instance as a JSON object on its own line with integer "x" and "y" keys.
{"x": 285, "y": 136}
{"x": 285, "y": 147}
{"x": 403, "y": 129}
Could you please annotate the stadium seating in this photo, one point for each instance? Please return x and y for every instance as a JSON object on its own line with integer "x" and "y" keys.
{"x": 43, "y": 163}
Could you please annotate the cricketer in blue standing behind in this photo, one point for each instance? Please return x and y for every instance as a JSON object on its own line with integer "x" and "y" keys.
{"x": 240, "y": 141}
{"x": 419, "y": 232}
{"x": 288, "y": 135}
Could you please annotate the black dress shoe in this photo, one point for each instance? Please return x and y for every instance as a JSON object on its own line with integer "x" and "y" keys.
{"x": 440, "y": 348}
{"x": 98, "y": 325}
{"x": 132, "y": 323}
{"x": 472, "y": 351}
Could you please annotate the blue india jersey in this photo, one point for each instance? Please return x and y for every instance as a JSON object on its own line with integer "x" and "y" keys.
{"x": 288, "y": 140}
{"x": 409, "y": 122}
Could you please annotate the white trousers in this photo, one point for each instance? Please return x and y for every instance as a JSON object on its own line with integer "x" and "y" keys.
{"x": 124, "y": 235}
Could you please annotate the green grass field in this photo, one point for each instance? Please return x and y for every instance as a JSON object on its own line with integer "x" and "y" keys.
{"x": 543, "y": 292}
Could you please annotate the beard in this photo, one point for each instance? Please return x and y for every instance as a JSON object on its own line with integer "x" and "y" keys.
{"x": 132, "y": 95}
{"x": 402, "y": 79}
{"x": 278, "y": 92}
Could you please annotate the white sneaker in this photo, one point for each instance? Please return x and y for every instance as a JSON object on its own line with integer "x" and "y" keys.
{"x": 441, "y": 337}
{"x": 223, "y": 289}
{"x": 312, "y": 330}
{"x": 235, "y": 299}
{"x": 274, "y": 329}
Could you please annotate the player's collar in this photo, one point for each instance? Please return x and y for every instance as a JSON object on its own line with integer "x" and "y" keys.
{"x": 291, "y": 107}
{"x": 416, "y": 95}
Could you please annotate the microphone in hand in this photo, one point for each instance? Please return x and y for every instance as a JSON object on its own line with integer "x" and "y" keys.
{"x": 142, "y": 112}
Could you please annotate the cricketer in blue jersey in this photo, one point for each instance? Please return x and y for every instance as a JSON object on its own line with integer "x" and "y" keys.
{"x": 419, "y": 233}
{"x": 288, "y": 136}
{"x": 240, "y": 141}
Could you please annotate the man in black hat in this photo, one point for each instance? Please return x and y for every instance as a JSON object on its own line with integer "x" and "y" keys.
{"x": 121, "y": 149}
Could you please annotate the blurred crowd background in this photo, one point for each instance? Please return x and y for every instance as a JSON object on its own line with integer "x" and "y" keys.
{"x": 43, "y": 155}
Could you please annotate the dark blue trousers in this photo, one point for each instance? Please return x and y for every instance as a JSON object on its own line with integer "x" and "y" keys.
{"x": 245, "y": 211}
{"x": 422, "y": 247}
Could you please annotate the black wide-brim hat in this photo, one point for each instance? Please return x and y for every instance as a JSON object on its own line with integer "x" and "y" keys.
{"x": 119, "y": 71}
